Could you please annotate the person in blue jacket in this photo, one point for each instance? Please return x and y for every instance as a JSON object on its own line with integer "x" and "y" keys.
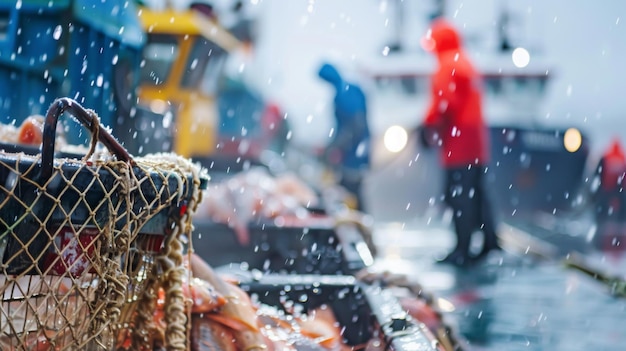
{"x": 349, "y": 150}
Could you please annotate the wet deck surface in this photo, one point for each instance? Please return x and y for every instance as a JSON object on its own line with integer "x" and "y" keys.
{"x": 521, "y": 299}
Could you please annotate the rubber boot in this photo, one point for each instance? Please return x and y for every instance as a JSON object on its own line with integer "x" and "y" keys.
{"x": 460, "y": 255}
{"x": 488, "y": 226}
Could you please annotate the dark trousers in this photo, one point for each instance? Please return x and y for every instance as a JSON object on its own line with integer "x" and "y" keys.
{"x": 467, "y": 196}
{"x": 352, "y": 182}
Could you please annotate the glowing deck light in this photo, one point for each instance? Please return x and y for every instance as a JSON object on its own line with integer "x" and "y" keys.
{"x": 395, "y": 138}
{"x": 572, "y": 140}
{"x": 521, "y": 57}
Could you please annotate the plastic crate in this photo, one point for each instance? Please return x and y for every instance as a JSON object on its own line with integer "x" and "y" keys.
{"x": 316, "y": 248}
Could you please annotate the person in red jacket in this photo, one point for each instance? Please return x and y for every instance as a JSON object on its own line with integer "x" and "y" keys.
{"x": 607, "y": 193}
{"x": 454, "y": 122}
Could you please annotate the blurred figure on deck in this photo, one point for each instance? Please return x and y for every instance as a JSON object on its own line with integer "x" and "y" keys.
{"x": 349, "y": 150}
{"x": 607, "y": 195}
{"x": 454, "y": 123}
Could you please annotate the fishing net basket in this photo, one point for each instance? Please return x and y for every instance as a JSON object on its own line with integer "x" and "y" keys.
{"x": 80, "y": 237}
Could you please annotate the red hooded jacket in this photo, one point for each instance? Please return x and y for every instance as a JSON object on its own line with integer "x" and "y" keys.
{"x": 613, "y": 167}
{"x": 456, "y": 101}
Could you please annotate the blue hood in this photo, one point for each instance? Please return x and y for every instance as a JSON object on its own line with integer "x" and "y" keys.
{"x": 329, "y": 73}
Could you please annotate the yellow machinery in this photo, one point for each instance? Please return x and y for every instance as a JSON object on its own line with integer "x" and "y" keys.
{"x": 183, "y": 59}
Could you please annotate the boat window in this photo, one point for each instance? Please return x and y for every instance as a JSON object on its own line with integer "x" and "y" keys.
{"x": 204, "y": 66}
{"x": 159, "y": 55}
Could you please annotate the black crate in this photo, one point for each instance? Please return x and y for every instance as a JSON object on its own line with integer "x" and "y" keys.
{"x": 316, "y": 249}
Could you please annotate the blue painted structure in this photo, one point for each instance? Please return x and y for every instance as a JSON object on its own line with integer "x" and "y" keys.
{"x": 73, "y": 48}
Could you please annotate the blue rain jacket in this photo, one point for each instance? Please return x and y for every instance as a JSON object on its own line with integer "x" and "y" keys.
{"x": 352, "y": 135}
